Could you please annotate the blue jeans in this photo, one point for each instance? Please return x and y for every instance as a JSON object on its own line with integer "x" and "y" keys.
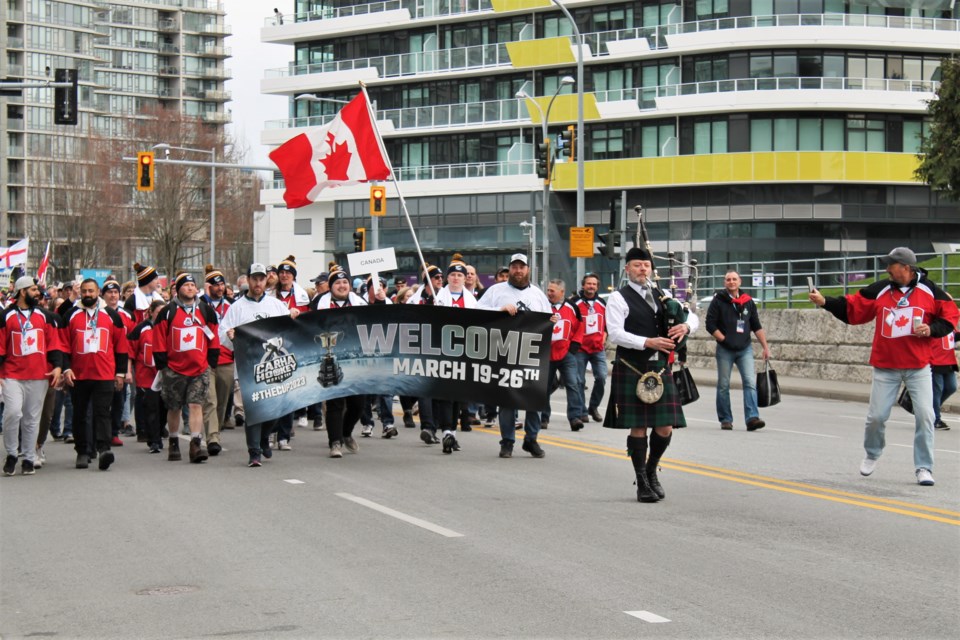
{"x": 508, "y": 425}
{"x": 570, "y": 380}
{"x": 944, "y": 386}
{"x": 743, "y": 358}
{"x": 883, "y": 393}
{"x": 598, "y": 363}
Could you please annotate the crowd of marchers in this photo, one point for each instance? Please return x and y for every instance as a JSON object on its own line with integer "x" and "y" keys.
{"x": 92, "y": 365}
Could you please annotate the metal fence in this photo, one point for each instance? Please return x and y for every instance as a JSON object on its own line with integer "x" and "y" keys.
{"x": 784, "y": 283}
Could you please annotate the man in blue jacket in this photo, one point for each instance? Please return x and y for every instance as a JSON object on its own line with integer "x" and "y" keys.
{"x": 730, "y": 319}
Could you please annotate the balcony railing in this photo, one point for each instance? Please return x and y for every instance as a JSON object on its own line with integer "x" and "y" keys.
{"x": 219, "y": 96}
{"x": 14, "y": 42}
{"x": 408, "y": 64}
{"x": 452, "y": 171}
{"x": 429, "y": 9}
{"x": 218, "y": 117}
{"x": 789, "y": 84}
{"x": 462, "y": 114}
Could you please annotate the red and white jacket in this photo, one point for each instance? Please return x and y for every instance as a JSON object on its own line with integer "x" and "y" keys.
{"x": 297, "y": 298}
{"x": 894, "y": 345}
{"x": 141, "y": 344}
{"x": 220, "y": 307}
{"x": 95, "y": 343}
{"x": 29, "y": 343}
{"x": 567, "y": 331}
{"x": 594, "y": 315}
{"x": 944, "y": 352}
{"x": 188, "y": 343}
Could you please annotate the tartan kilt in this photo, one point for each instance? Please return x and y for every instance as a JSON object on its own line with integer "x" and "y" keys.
{"x": 626, "y": 411}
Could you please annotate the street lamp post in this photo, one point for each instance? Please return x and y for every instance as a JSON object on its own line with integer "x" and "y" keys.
{"x": 544, "y": 120}
{"x": 213, "y": 191}
{"x": 580, "y": 139}
{"x": 375, "y": 221}
{"x": 530, "y": 230}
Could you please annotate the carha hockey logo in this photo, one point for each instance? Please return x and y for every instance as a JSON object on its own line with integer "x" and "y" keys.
{"x": 276, "y": 365}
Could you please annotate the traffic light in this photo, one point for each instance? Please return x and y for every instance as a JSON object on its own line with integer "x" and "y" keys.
{"x": 569, "y": 142}
{"x": 378, "y": 200}
{"x": 544, "y": 161}
{"x": 65, "y": 98}
{"x": 145, "y": 170}
{"x": 359, "y": 240}
{"x": 609, "y": 240}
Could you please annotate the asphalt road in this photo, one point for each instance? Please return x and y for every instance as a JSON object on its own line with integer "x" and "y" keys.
{"x": 771, "y": 534}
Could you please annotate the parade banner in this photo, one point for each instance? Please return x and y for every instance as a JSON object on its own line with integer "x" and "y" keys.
{"x": 284, "y": 364}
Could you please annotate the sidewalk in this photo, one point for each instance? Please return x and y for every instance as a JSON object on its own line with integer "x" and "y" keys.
{"x": 706, "y": 380}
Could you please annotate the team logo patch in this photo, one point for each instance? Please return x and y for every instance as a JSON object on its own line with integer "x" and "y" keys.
{"x": 276, "y": 365}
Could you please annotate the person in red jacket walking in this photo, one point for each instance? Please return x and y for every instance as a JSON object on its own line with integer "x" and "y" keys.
{"x": 221, "y": 375}
{"x": 148, "y": 408}
{"x": 593, "y": 310}
{"x": 96, "y": 345}
{"x": 907, "y": 311}
{"x": 185, "y": 346}
{"x": 30, "y": 361}
{"x": 567, "y": 336}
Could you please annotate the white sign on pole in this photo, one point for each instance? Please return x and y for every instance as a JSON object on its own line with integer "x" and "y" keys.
{"x": 372, "y": 262}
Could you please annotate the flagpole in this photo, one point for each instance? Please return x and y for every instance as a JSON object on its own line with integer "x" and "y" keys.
{"x": 396, "y": 184}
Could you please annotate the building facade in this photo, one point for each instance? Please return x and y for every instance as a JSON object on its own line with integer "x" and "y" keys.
{"x": 746, "y": 129}
{"x": 132, "y": 56}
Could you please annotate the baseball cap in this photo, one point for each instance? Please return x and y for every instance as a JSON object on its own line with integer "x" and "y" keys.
{"x": 322, "y": 277}
{"x": 900, "y": 255}
{"x": 24, "y": 282}
{"x": 257, "y": 269}
{"x": 519, "y": 257}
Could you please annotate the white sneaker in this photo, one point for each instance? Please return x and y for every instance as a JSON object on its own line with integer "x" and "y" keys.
{"x": 367, "y": 430}
{"x": 40, "y": 459}
{"x": 867, "y": 466}
{"x": 924, "y": 477}
{"x": 302, "y": 422}
{"x": 284, "y": 445}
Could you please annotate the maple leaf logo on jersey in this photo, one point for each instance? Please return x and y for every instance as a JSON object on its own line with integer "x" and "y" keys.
{"x": 337, "y": 161}
{"x": 188, "y": 337}
{"x": 557, "y": 328}
{"x": 30, "y": 341}
{"x": 902, "y": 321}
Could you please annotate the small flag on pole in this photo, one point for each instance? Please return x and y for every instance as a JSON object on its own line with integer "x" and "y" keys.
{"x": 42, "y": 270}
{"x": 345, "y": 151}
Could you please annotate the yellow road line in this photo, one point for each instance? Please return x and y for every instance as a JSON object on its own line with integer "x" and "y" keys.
{"x": 766, "y": 482}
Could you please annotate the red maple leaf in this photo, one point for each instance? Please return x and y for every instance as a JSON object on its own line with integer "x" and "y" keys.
{"x": 902, "y": 321}
{"x": 30, "y": 341}
{"x": 188, "y": 337}
{"x": 337, "y": 161}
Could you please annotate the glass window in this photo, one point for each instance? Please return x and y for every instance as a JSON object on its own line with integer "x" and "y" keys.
{"x": 302, "y": 227}
{"x": 761, "y": 135}
{"x": 785, "y": 65}
{"x": 649, "y": 146}
{"x": 761, "y": 66}
{"x": 833, "y": 66}
{"x": 809, "y": 134}
{"x": 833, "y": 138}
{"x": 785, "y": 134}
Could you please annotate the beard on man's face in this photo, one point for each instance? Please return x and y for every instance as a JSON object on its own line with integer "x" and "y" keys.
{"x": 519, "y": 279}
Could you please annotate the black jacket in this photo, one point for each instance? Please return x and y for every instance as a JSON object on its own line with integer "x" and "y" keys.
{"x": 723, "y": 314}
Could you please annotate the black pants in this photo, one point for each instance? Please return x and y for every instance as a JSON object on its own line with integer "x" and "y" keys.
{"x": 98, "y": 396}
{"x": 342, "y": 417}
{"x": 116, "y": 412}
{"x": 151, "y": 414}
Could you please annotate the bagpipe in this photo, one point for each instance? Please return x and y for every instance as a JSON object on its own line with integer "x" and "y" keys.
{"x": 675, "y": 312}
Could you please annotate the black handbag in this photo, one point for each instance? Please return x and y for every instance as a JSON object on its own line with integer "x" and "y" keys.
{"x": 904, "y": 400}
{"x": 686, "y": 387}
{"x": 768, "y": 387}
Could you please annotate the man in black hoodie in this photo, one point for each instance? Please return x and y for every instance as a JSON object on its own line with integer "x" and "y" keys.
{"x": 730, "y": 319}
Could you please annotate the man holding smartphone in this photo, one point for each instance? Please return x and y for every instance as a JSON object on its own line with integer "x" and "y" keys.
{"x": 910, "y": 313}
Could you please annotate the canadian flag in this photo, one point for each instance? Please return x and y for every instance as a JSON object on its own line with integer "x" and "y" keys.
{"x": 44, "y": 264}
{"x": 346, "y": 151}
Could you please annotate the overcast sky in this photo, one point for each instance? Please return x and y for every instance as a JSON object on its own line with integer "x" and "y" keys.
{"x": 250, "y": 58}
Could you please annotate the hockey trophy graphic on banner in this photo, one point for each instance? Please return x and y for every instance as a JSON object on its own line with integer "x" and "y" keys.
{"x": 330, "y": 372}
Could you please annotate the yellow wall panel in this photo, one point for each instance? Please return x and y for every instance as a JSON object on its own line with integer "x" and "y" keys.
{"x": 564, "y": 109}
{"x": 740, "y": 168}
{"x": 535, "y": 53}
{"x": 500, "y": 6}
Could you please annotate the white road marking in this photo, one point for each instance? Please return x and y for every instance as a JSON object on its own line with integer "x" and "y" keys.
{"x": 292, "y": 481}
{"x": 804, "y": 433}
{"x": 910, "y": 446}
{"x": 423, "y": 524}
{"x": 646, "y": 616}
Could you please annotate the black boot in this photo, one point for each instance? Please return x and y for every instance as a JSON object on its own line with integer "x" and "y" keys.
{"x": 658, "y": 444}
{"x": 637, "y": 449}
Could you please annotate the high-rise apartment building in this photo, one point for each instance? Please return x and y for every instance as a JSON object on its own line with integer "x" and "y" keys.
{"x": 747, "y": 129}
{"x": 132, "y": 56}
